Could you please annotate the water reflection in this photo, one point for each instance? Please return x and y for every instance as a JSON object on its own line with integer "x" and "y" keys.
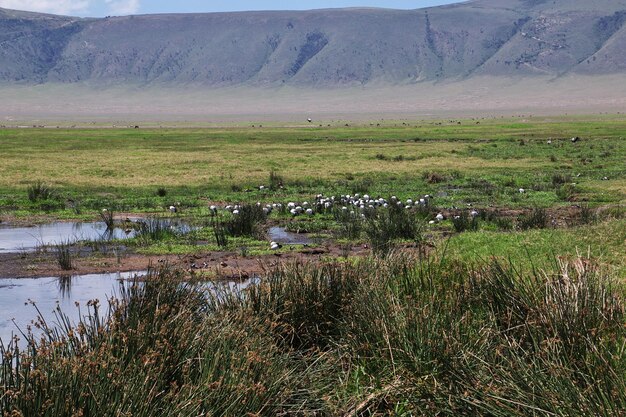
{"x": 282, "y": 236}
{"x": 65, "y": 286}
{"x": 17, "y": 296}
{"x": 17, "y": 239}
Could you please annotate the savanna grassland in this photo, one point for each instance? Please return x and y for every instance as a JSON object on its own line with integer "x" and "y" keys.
{"x": 502, "y": 294}
{"x": 390, "y": 157}
{"x": 482, "y": 163}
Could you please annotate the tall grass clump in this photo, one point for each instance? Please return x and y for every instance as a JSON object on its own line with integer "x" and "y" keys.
{"x": 247, "y": 222}
{"x": 535, "y": 219}
{"x": 220, "y": 233}
{"x": 350, "y": 225}
{"x": 390, "y": 224}
{"x": 587, "y": 215}
{"x": 276, "y": 181}
{"x": 155, "y": 230}
{"x": 63, "y": 254}
{"x": 39, "y": 191}
{"x": 464, "y": 222}
{"x": 156, "y": 352}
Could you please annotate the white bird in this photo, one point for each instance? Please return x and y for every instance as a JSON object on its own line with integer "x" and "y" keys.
{"x": 293, "y": 212}
{"x": 309, "y": 120}
{"x": 213, "y": 209}
{"x": 309, "y": 212}
{"x": 274, "y": 246}
{"x": 474, "y": 213}
{"x": 431, "y": 222}
{"x": 173, "y": 209}
{"x": 522, "y": 191}
{"x": 439, "y": 217}
{"x": 235, "y": 212}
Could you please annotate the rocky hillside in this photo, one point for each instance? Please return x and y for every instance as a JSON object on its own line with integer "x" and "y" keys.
{"x": 320, "y": 48}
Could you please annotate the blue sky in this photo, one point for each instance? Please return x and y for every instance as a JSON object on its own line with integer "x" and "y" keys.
{"x": 123, "y": 7}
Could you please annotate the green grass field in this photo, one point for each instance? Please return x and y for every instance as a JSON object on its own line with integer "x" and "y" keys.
{"x": 484, "y": 163}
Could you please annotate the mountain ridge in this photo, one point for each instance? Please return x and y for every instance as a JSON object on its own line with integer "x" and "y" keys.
{"x": 318, "y": 48}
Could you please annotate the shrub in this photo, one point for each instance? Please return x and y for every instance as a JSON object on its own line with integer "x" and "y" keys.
{"x": 161, "y": 192}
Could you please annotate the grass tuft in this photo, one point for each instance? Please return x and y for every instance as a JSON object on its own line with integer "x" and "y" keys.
{"x": 64, "y": 257}
{"x": 39, "y": 191}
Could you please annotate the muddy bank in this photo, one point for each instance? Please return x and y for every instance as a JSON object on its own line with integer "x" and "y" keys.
{"x": 221, "y": 265}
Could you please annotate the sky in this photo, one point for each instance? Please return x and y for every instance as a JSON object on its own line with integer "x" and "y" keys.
{"x": 99, "y": 8}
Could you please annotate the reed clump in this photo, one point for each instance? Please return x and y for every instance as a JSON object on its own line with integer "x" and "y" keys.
{"x": 376, "y": 336}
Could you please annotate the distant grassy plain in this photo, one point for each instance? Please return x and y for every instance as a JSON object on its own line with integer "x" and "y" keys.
{"x": 481, "y": 161}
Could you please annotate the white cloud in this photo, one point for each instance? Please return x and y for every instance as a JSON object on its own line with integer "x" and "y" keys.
{"x": 122, "y": 7}
{"x": 47, "y": 6}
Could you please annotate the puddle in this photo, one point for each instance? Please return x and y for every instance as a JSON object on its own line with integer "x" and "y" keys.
{"x": 18, "y": 239}
{"x": 280, "y": 235}
{"x": 16, "y": 310}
